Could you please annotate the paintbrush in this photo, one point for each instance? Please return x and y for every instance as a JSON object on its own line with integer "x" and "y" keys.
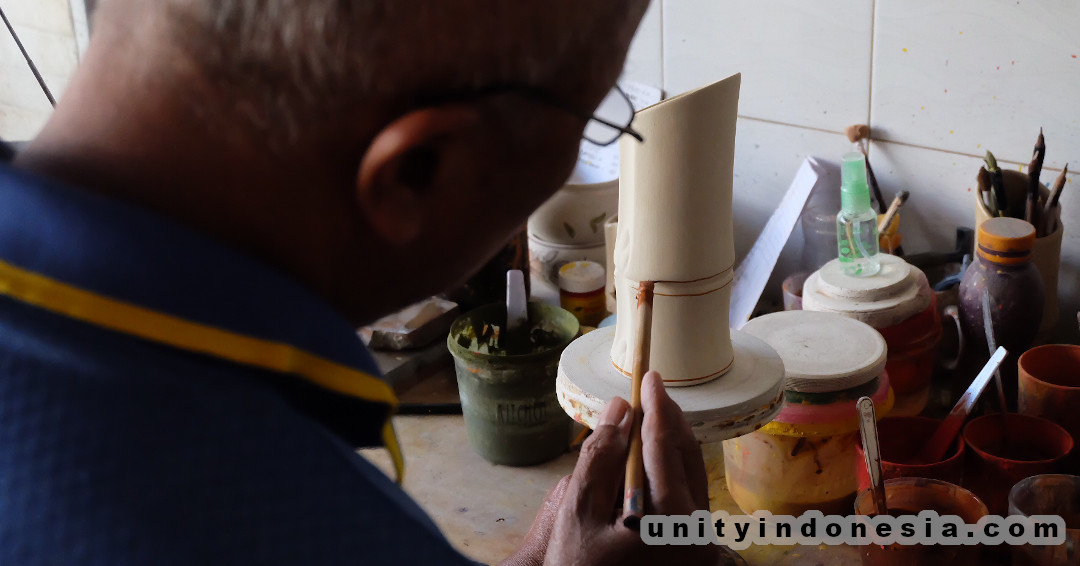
{"x": 856, "y": 134}
{"x": 997, "y": 185}
{"x": 991, "y": 346}
{"x": 872, "y": 451}
{"x": 984, "y": 191}
{"x": 1048, "y": 223}
{"x": 946, "y": 432}
{"x": 634, "y": 492}
{"x": 894, "y": 208}
{"x": 890, "y": 217}
{"x": 1031, "y": 207}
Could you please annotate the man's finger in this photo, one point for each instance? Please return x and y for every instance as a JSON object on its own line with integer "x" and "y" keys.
{"x": 596, "y": 484}
{"x": 665, "y": 438}
{"x": 694, "y": 463}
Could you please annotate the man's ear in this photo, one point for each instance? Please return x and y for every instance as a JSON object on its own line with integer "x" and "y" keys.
{"x": 401, "y": 165}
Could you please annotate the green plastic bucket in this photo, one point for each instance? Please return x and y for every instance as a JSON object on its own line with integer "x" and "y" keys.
{"x": 512, "y": 415}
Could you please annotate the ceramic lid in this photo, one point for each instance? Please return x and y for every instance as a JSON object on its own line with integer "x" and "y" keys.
{"x": 895, "y": 294}
{"x": 822, "y": 352}
{"x": 1006, "y": 240}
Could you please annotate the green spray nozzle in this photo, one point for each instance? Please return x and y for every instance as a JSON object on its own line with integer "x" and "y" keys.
{"x": 854, "y": 192}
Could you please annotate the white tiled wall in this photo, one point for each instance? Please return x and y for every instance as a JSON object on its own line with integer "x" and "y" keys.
{"x": 46, "y": 30}
{"x": 938, "y": 82}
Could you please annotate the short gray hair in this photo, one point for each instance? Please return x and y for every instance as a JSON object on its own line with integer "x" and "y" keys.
{"x": 298, "y": 62}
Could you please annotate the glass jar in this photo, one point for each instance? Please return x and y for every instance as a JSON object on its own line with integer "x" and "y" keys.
{"x": 1002, "y": 276}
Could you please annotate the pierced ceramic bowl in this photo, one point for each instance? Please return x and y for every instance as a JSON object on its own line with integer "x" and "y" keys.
{"x": 575, "y": 215}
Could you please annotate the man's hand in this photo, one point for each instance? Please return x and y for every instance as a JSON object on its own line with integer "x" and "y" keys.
{"x": 588, "y": 529}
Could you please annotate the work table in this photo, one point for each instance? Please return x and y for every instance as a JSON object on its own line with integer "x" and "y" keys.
{"x": 485, "y": 509}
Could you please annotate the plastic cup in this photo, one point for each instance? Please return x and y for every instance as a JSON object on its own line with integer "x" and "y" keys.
{"x": 908, "y": 496}
{"x": 1050, "y": 494}
{"x": 512, "y": 414}
{"x": 1050, "y": 385}
{"x": 1004, "y": 449}
{"x": 901, "y": 440}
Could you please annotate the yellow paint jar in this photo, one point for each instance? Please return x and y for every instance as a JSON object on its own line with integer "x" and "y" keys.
{"x": 806, "y": 458}
{"x": 581, "y": 291}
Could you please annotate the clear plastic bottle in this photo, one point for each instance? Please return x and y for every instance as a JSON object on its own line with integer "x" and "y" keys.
{"x": 856, "y": 223}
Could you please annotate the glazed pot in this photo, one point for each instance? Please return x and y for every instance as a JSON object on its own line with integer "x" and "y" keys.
{"x": 576, "y": 213}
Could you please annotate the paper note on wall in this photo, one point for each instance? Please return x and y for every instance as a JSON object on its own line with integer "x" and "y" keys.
{"x": 754, "y": 271}
{"x": 598, "y": 164}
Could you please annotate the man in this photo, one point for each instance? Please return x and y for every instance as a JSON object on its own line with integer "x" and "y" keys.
{"x": 229, "y": 188}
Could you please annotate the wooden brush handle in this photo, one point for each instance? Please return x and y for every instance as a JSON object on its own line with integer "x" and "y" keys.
{"x": 635, "y": 488}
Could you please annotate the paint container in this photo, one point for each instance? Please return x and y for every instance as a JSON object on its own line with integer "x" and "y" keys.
{"x": 546, "y": 258}
{"x": 908, "y": 496}
{"x": 1004, "y": 449}
{"x": 1050, "y": 385}
{"x": 581, "y": 291}
{"x": 1045, "y": 254}
{"x": 512, "y": 415}
{"x": 899, "y": 303}
{"x": 1003, "y": 273}
{"x": 792, "y": 288}
{"x": 1050, "y": 494}
{"x": 806, "y": 458}
{"x": 901, "y": 440}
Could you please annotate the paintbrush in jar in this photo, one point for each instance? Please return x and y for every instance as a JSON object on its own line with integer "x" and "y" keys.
{"x": 985, "y": 193}
{"x": 634, "y": 492}
{"x": 1031, "y": 207}
{"x": 1048, "y": 222}
{"x": 997, "y": 185}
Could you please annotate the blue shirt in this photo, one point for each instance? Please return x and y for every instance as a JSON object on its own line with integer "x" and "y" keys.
{"x": 167, "y": 400}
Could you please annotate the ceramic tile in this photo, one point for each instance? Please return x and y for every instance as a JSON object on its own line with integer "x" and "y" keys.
{"x": 644, "y": 62}
{"x": 942, "y": 198}
{"x": 767, "y": 156}
{"x": 42, "y": 15}
{"x": 806, "y": 64}
{"x": 970, "y": 75}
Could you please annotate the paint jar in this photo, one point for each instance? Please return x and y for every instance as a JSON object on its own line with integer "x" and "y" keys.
{"x": 899, "y": 303}
{"x": 507, "y": 387}
{"x": 1003, "y": 276}
{"x": 1050, "y": 494}
{"x": 1004, "y": 449}
{"x": 1050, "y": 385}
{"x": 908, "y": 496}
{"x": 806, "y": 458}
{"x": 1045, "y": 253}
{"x": 792, "y": 288}
{"x": 901, "y": 440}
{"x": 581, "y": 291}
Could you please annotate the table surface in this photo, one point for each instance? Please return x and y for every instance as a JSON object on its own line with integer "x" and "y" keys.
{"x": 485, "y": 509}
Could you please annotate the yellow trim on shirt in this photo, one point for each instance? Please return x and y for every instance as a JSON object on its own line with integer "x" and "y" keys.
{"x": 73, "y": 302}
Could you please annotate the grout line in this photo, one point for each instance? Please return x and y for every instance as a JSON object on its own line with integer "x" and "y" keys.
{"x": 663, "y": 67}
{"x": 870, "y": 87}
{"x": 779, "y": 123}
{"x": 893, "y": 142}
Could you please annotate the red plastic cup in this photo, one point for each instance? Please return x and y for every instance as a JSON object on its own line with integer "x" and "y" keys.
{"x": 901, "y": 440}
{"x": 1004, "y": 449}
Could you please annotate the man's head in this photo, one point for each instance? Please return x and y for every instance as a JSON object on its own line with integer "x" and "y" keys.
{"x": 412, "y": 125}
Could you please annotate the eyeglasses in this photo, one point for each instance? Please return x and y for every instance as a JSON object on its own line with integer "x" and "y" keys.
{"x": 603, "y": 127}
{"x": 611, "y": 120}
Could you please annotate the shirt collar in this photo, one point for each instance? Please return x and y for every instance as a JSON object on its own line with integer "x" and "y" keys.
{"x": 128, "y": 254}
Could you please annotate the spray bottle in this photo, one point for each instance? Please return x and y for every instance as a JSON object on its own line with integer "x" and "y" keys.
{"x": 856, "y": 223}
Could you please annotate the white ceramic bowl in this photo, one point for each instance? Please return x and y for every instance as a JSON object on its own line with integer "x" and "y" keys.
{"x": 545, "y": 258}
{"x": 575, "y": 215}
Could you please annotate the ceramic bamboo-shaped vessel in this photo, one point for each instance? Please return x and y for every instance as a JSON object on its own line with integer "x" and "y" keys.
{"x": 675, "y": 228}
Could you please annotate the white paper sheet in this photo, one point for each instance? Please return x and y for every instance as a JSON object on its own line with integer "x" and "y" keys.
{"x": 754, "y": 271}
